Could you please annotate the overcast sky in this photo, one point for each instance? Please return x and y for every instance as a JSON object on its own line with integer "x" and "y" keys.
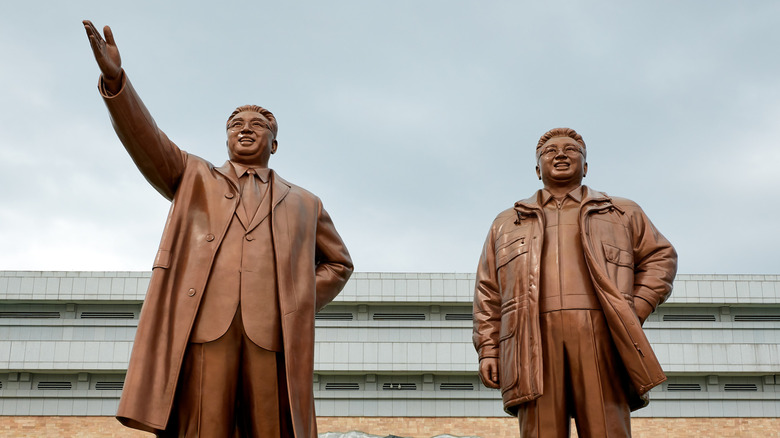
{"x": 414, "y": 121}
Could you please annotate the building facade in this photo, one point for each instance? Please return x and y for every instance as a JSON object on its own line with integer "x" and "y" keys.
{"x": 393, "y": 350}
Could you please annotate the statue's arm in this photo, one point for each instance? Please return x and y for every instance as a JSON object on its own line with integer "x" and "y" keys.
{"x": 487, "y": 314}
{"x": 655, "y": 264}
{"x": 333, "y": 264}
{"x": 159, "y": 159}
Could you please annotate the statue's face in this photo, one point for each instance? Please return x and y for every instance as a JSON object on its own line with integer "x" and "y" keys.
{"x": 250, "y": 140}
{"x": 561, "y": 162}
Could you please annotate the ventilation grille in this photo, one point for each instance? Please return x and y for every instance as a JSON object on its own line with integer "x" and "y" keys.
{"x": 341, "y": 386}
{"x": 456, "y": 386}
{"x": 29, "y": 314}
{"x": 748, "y": 318}
{"x": 399, "y": 387}
{"x": 689, "y": 317}
{"x": 54, "y": 385}
{"x": 107, "y": 315}
{"x": 334, "y": 316}
{"x": 740, "y": 387}
{"x": 458, "y": 317}
{"x": 683, "y": 387}
{"x": 1, "y": 385}
{"x": 399, "y": 317}
{"x": 109, "y": 386}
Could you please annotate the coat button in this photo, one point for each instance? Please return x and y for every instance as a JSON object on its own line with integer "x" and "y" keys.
{"x": 229, "y": 195}
{"x": 209, "y": 237}
{"x": 249, "y": 237}
{"x": 191, "y": 292}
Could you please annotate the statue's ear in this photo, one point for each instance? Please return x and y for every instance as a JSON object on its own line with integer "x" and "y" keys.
{"x": 538, "y": 172}
{"x": 274, "y": 145}
{"x": 585, "y": 170}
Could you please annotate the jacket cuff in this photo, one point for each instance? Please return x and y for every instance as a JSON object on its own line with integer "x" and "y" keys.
{"x": 107, "y": 94}
{"x": 488, "y": 352}
{"x": 647, "y": 295}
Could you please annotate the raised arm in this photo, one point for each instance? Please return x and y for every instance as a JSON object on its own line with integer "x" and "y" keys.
{"x": 159, "y": 159}
{"x": 106, "y": 55}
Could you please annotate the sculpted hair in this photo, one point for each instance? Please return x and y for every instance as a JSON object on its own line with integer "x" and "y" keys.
{"x": 560, "y": 132}
{"x": 260, "y": 110}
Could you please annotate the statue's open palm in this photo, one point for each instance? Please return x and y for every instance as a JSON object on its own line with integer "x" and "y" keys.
{"x": 106, "y": 53}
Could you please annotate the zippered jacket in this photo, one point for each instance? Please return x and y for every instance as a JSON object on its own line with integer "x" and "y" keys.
{"x": 628, "y": 259}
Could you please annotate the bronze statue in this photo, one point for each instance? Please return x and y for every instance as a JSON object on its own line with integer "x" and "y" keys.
{"x": 566, "y": 279}
{"x": 225, "y": 341}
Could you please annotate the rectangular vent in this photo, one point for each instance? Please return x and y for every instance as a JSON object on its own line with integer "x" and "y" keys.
{"x": 740, "y": 387}
{"x": 683, "y": 387}
{"x": 749, "y": 318}
{"x": 458, "y": 317}
{"x": 334, "y": 316}
{"x": 335, "y": 386}
{"x": 399, "y": 387}
{"x": 107, "y": 315}
{"x": 689, "y": 317}
{"x": 456, "y": 386}
{"x": 109, "y": 386}
{"x": 54, "y": 385}
{"x": 1, "y": 385}
{"x": 399, "y": 317}
{"x": 29, "y": 314}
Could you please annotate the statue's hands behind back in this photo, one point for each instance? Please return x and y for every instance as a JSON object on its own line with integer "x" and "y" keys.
{"x": 106, "y": 55}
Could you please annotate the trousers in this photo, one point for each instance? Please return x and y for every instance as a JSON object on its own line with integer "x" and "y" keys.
{"x": 230, "y": 387}
{"x": 583, "y": 378}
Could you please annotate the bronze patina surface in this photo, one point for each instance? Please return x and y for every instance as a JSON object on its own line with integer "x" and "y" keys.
{"x": 225, "y": 340}
{"x": 566, "y": 279}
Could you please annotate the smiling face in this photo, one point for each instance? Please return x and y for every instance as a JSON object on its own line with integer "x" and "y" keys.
{"x": 561, "y": 163}
{"x": 250, "y": 140}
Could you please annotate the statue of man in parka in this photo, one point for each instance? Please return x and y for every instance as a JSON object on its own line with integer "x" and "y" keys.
{"x": 566, "y": 279}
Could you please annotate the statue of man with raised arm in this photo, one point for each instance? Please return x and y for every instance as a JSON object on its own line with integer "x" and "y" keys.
{"x": 225, "y": 340}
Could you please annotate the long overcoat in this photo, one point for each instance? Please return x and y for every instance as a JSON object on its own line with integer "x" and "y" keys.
{"x": 628, "y": 259}
{"x": 312, "y": 266}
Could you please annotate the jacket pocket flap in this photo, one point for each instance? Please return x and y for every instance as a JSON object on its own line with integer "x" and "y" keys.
{"x": 507, "y": 239}
{"x": 618, "y": 256}
{"x": 508, "y": 325}
{"x": 163, "y": 259}
{"x": 509, "y": 252}
{"x": 510, "y": 312}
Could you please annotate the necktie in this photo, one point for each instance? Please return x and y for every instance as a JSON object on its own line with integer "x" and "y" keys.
{"x": 250, "y": 193}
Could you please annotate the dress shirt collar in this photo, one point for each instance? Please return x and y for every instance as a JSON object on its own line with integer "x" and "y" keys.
{"x": 575, "y": 195}
{"x": 262, "y": 172}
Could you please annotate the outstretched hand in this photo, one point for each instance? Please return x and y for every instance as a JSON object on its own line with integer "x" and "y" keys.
{"x": 106, "y": 55}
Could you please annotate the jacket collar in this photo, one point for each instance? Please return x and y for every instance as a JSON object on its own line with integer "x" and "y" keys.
{"x": 533, "y": 205}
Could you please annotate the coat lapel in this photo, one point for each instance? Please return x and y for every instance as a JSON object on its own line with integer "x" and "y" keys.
{"x": 229, "y": 173}
{"x": 279, "y": 189}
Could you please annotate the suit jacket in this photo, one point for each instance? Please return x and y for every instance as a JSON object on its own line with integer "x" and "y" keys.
{"x": 312, "y": 266}
{"x": 244, "y": 271}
